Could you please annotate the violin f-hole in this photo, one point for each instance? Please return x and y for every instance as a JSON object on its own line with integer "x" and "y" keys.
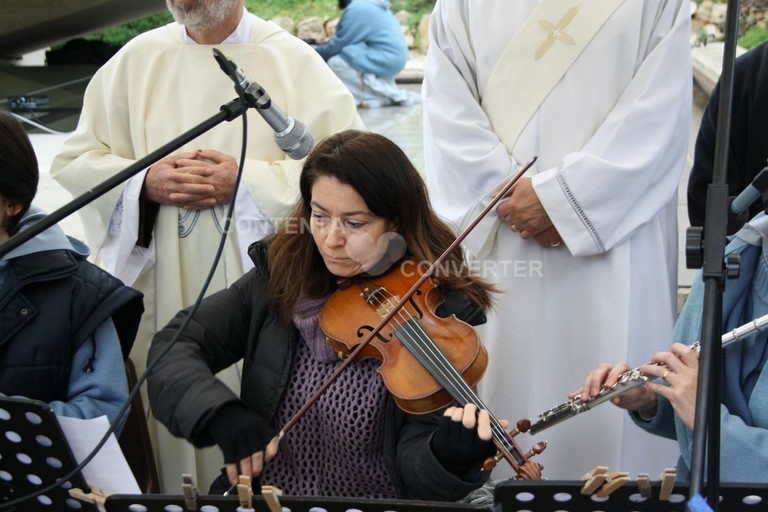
{"x": 363, "y": 331}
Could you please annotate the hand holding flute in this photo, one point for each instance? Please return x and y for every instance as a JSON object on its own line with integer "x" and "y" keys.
{"x": 672, "y": 375}
{"x": 612, "y": 382}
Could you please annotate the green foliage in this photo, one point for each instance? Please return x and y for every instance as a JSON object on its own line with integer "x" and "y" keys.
{"x": 121, "y": 34}
{"x": 752, "y": 26}
{"x": 267, "y": 9}
{"x": 418, "y": 8}
{"x": 325, "y": 9}
{"x": 753, "y": 37}
{"x": 295, "y": 9}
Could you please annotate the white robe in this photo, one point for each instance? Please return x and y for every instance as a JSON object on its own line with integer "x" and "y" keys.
{"x": 153, "y": 90}
{"x": 611, "y": 141}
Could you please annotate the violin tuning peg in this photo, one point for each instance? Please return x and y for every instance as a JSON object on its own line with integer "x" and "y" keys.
{"x": 523, "y": 425}
{"x": 536, "y": 449}
{"x": 491, "y": 462}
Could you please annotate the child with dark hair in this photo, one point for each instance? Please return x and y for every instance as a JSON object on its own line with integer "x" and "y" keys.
{"x": 65, "y": 324}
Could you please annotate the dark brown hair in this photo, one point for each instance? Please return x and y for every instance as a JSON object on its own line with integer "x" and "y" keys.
{"x": 19, "y": 173}
{"x": 393, "y": 189}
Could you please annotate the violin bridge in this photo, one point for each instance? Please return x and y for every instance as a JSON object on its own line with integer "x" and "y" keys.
{"x": 386, "y": 306}
{"x": 380, "y": 298}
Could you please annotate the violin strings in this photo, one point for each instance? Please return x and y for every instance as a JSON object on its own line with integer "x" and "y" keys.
{"x": 421, "y": 345}
{"x": 412, "y": 338}
{"x": 462, "y": 389}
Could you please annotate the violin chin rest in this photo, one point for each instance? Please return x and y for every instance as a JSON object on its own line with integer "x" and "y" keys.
{"x": 393, "y": 253}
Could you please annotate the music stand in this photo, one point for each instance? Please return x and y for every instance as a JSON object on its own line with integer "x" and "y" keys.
{"x": 565, "y": 496}
{"x": 164, "y": 503}
{"x": 34, "y": 454}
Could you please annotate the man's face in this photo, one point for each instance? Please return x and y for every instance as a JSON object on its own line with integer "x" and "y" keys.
{"x": 201, "y": 13}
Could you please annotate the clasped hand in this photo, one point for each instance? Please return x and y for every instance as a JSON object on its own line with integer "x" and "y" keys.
{"x": 678, "y": 369}
{"x": 524, "y": 213}
{"x": 193, "y": 180}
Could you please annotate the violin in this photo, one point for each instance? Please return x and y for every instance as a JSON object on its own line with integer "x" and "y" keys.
{"x": 428, "y": 362}
{"x": 420, "y": 351}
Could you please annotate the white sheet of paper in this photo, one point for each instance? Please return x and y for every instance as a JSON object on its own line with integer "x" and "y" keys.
{"x": 108, "y": 470}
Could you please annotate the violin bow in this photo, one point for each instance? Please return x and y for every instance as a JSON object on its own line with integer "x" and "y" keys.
{"x": 397, "y": 307}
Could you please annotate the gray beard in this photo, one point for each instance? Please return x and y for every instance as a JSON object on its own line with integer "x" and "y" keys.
{"x": 203, "y": 13}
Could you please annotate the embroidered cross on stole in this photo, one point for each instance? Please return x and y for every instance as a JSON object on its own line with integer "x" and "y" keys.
{"x": 536, "y": 58}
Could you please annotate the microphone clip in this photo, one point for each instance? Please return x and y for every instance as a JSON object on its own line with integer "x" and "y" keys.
{"x": 290, "y": 135}
{"x": 253, "y": 93}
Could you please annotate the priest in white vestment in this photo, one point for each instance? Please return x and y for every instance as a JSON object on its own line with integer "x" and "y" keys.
{"x": 585, "y": 248}
{"x": 161, "y": 84}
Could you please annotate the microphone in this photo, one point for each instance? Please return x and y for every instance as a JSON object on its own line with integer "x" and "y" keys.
{"x": 290, "y": 135}
{"x": 752, "y": 193}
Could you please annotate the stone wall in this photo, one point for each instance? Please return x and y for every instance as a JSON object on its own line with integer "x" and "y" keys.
{"x": 707, "y": 33}
{"x": 708, "y": 18}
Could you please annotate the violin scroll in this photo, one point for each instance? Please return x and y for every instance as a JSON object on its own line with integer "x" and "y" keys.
{"x": 528, "y": 470}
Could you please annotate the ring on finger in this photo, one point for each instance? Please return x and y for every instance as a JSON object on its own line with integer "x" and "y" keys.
{"x": 554, "y": 243}
{"x": 664, "y": 377}
{"x": 514, "y": 228}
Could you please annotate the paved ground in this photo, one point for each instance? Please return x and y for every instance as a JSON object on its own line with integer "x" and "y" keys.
{"x": 401, "y": 124}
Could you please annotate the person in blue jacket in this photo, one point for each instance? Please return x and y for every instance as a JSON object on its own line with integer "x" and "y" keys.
{"x": 65, "y": 324}
{"x": 366, "y": 53}
{"x": 666, "y": 406}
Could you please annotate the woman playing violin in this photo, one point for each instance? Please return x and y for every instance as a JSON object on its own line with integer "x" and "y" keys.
{"x": 358, "y": 192}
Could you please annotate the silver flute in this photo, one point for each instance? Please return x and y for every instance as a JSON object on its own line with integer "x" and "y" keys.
{"x": 630, "y": 380}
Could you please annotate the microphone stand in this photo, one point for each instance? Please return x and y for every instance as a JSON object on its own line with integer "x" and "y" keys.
{"x": 227, "y": 112}
{"x": 706, "y": 435}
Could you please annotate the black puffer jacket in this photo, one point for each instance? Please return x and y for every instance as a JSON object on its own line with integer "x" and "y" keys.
{"x": 51, "y": 303}
{"x": 239, "y": 323}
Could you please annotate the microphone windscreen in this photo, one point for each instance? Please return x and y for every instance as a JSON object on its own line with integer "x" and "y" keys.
{"x": 297, "y": 143}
